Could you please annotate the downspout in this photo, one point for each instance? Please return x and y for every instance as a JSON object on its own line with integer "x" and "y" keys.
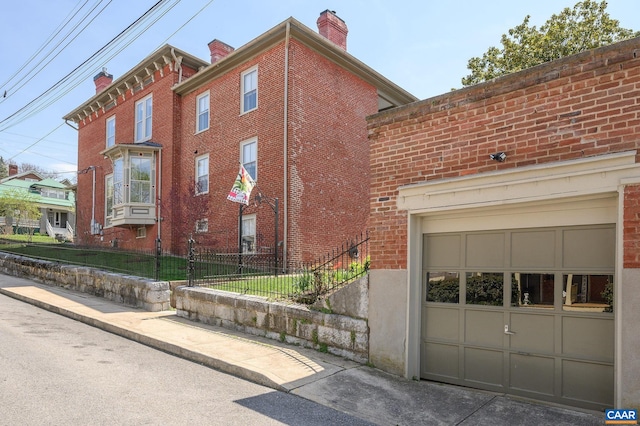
{"x": 159, "y": 192}
{"x": 93, "y": 203}
{"x": 285, "y": 201}
{"x": 70, "y": 125}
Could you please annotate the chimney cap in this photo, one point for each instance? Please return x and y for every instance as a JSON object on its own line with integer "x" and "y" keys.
{"x": 102, "y": 73}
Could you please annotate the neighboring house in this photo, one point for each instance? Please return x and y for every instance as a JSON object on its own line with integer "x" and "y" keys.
{"x": 55, "y": 199}
{"x": 164, "y": 142}
{"x": 553, "y": 225}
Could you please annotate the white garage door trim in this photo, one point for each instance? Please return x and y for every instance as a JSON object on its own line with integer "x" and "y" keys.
{"x": 584, "y": 191}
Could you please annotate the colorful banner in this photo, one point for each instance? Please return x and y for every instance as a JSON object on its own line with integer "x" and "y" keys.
{"x": 242, "y": 187}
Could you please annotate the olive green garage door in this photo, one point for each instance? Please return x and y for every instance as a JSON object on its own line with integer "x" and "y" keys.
{"x": 524, "y": 311}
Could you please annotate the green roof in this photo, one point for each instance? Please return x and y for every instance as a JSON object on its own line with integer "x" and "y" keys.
{"x": 23, "y": 185}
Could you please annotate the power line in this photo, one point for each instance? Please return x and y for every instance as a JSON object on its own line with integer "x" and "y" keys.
{"x": 36, "y": 142}
{"x": 42, "y": 65}
{"x": 9, "y": 91}
{"x": 70, "y": 80}
{"x": 30, "y": 106}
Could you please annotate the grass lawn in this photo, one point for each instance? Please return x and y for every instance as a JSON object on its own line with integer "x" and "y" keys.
{"x": 173, "y": 268}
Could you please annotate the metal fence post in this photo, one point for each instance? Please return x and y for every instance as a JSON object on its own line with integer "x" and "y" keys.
{"x": 158, "y": 258}
{"x": 191, "y": 269}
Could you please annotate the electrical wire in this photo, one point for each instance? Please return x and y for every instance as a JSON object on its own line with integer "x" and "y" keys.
{"x": 73, "y": 84}
{"x": 42, "y": 65}
{"x": 21, "y": 70}
{"x": 31, "y": 105}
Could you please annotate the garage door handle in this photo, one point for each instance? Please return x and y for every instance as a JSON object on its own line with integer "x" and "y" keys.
{"x": 506, "y": 330}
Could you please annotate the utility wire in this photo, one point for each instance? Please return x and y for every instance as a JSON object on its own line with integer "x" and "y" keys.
{"x": 105, "y": 47}
{"x": 42, "y": 65}
{"x": 72, "y": 81}
{"x": 9, "y": 90}
{"x": 36, "y": 142}
{"x": 69, "y": 75}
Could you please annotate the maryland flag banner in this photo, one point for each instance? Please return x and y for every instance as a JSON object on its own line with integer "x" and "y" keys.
{"x": 242, "y": 187}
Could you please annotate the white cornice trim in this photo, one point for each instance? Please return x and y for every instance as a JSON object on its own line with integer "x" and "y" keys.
{"x": 575, "y": 178}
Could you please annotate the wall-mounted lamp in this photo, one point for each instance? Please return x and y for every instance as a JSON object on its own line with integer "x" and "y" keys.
{"x": 498, "y": 156}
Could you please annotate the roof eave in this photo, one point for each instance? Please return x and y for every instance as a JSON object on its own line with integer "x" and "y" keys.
{"x": 166, "y": 55}
{"x": 387, "y": 90}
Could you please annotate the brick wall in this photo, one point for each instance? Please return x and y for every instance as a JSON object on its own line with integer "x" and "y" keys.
{"x": 327, "y": 145}
{"x": 580, "y": 106}
{"x": 328, "y": 156}
{"x": 329, "y": 153}
{"x": 92, "y": 140}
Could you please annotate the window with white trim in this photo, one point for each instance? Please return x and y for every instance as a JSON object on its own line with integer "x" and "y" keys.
{"x": 118, "y": 180}
{"x": 249, "y": 157}
{"x": 144, "y": 112}
{"x": 133, "y": 181}
{"x": 249, "y": 89}
{"x": 249, "y": 233}
{"x": 202, "y": 174}
{"x": 202, "y": 225}
{"x": 141, "y": 232}
{"x": 108, "y": 198}
{"x": 202, "y": 112}
{"x": 111, "y": 131}
{"x": 140, "y": 180}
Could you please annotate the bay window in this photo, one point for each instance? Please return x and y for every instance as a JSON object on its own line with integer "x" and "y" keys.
{"x": 130, "y": 195}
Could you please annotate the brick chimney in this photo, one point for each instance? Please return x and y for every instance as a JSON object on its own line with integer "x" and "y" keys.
{"x": 102, "y": 80}
{"x": 219, "y": 50}
{"x": 333, "y": 28}
{"x": 13, "y": 169}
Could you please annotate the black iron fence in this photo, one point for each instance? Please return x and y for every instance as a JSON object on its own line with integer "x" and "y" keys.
{"x": 262, "y": 273}
{"x": 153, "y": 264}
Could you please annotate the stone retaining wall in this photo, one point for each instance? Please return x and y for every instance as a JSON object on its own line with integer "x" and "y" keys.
{"x": 323, "y": 329}
{"x": 134, "y": 291}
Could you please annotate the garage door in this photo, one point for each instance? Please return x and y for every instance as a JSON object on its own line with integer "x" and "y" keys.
{"x": 521, "y": 311}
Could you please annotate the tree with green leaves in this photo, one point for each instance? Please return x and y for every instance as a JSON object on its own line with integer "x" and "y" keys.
{"x": 4, "y": 169}
{"x": 572, "y": 31}
{"x": 19, "y": 208}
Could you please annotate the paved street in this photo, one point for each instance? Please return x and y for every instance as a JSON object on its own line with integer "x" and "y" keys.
{"x": 54, "y": 371}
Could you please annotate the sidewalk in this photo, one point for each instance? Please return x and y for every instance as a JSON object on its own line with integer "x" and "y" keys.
{"x": 346, "y": 386}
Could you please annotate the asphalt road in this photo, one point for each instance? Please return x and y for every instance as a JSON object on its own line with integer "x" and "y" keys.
{"x": 56, "y": 371}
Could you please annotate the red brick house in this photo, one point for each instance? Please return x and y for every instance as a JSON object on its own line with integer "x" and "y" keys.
{"x": 504, "y": 233}
{"x": 165, "y": 140}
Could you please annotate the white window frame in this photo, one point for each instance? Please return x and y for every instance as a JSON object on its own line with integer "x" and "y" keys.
{"x": 245, "y": 89}
{"x": 249, "y": 227}
{"x": 203, "y": 106}
{"x": 198, "y": 174}
{"x": 142, "y": 183}
{"x": 143, "y": 119}
{"x": 202, "y": 226}
{"x": 118, "y": 181}
{"x": 253, "y": 157}
{"x": 108, "y": 198}
{"x": 141, "y": 232}
{"x": 110, "y": 130}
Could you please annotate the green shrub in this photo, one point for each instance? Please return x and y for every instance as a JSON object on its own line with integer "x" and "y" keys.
{"x": 444, "y": 291}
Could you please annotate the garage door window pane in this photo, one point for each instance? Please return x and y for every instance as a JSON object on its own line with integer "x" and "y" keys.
{"x": 587, "y": 293}
{"x": 443, "y": 287}
{"x": 485, "y": 288}
{"x": 535, "y": 290}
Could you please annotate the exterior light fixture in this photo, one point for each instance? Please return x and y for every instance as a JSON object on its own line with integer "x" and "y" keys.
{"x": 498, "y": 156}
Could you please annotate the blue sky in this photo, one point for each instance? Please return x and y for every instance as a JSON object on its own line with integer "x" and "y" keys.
{"x": 421, "y": 45}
